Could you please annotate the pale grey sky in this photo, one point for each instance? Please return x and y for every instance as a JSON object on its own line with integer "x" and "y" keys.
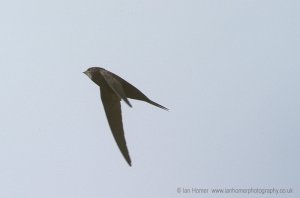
{"x": 228, "y": 71}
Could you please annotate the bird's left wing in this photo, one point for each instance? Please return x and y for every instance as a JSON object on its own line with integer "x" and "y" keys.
{"x": 112, "y": 106}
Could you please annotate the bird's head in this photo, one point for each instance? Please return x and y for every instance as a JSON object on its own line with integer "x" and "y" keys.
{"x": 92, "y": 71}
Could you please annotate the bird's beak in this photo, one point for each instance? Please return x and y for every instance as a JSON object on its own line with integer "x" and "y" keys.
{"x": 88, "y": 74}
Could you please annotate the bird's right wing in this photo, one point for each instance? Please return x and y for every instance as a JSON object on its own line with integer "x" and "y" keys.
{"x": 133, "y": 92}
{"x": 112, "y": 106}
{"x": 115, "y": 85}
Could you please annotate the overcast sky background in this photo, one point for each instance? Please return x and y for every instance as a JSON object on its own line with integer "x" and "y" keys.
{"x": 227, "y": 70}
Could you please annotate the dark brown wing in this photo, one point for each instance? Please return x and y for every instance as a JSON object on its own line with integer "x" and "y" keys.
{"x": 133, "y": 93}
{"x": 112, "y": 106}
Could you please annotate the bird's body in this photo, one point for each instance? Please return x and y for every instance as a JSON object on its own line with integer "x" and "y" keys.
{"x": 113, "y": 88}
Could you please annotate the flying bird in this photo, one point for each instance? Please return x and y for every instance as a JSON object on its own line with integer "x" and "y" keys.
{"x": 113, "y": 88}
